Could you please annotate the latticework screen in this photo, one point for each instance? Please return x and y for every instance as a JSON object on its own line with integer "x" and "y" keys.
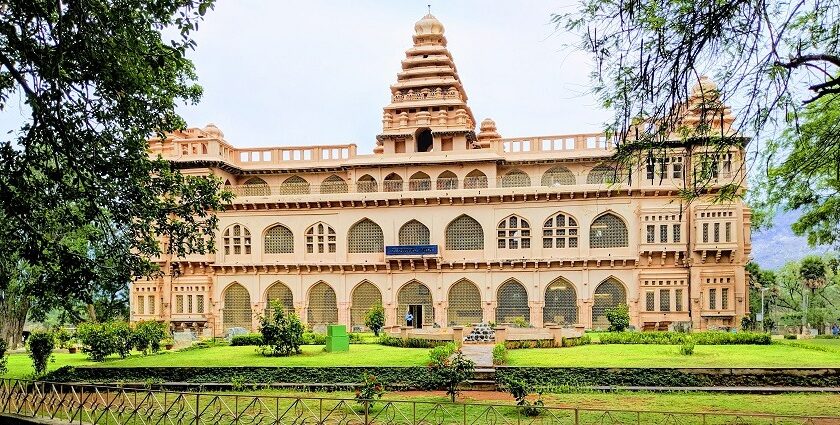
{"x": 513, "y": 232}
{"x": 151, "y": 304}
{"x": 678, "y": 299}
{"x": 475, "y": 180}
{"x": 279, "y": 240}
{"x": 141, "y": 304}
{"x": 664, "y": 300}
{"x": 255, "y": 186}
{"x": 560, "y": 231}
{"x": 558, "y": 176}
{"x": 447, "y": 180}
{"x": 515, "y": 178}
{"x": 560, "y": 303}
{"x": 237, "y": 240}
{"x": 607, "y": 231}
{"x": 609, "y": 294}
{"x": 512, "y": 303}
{"x": 366, "y": 183}
{"x": 237, "y": 309}
{"x": 278, "y": 291}
{"x": 392, "y": 183}
{"x": 416, "y": 293}
{"x": 179, "y": 303}
{"x": 320, "y": 238}
{"x": 294, "y": 185}
{"x": 414, "y": 233}
{"x": 419, "y": 181}
{"x": 365, "y": 237}
{"x": 333, "y": 184}
{"x": 199, "y": 304}
{"x": 322, "y": 305}
{"x": 601, "y": 174}
{"x": 464, "y": 233}
{"x": 365, "y": 296}
{"x": 464, "y": 304}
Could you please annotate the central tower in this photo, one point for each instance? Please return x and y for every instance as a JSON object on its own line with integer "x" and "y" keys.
{"x": 428, "y": 110}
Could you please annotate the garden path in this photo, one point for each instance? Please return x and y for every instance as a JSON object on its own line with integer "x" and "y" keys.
{"x": 481, "y": 354}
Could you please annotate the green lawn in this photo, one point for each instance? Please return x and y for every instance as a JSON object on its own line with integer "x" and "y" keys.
{"x": 596, "y": 355}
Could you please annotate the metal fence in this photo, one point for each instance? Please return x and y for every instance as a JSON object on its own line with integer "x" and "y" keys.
{"x": 97, "y": 404}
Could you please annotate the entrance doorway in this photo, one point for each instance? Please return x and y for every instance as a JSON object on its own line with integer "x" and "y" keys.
{"x": 416, "y": 310}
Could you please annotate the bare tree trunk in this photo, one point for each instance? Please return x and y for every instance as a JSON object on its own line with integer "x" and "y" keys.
{"x": 91, "y": 313}
{"x": 12, "y": 318}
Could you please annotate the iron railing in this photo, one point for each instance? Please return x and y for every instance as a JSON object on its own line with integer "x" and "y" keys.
{"x": 99, "y": 404}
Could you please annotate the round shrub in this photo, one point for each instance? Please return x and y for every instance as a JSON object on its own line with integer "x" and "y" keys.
{"x": 148, "y": 334}
{"x": 500, "y": 354}
{"x": 41, "y": 344}
{"x": 687, "y": 348}
{"x": 97, "y": 340}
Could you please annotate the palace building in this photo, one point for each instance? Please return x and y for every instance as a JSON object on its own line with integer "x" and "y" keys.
{"x": 459, "y": 226}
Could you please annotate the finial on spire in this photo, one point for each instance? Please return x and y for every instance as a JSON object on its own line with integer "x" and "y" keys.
{"x": 430, "y": 8}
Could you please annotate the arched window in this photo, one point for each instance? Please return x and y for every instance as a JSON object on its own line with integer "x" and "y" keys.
{"x": 255, "y": 186}
{"x": 558, "y": 176}
{"x": 609, "y": 294}
{"x": 320, "y": 239}
{"x": 365, "y": 237}
{"x": 416, "y": 293}
{"x": 512, "y": 303}
{"x": 560, "y": 303}
{"x": 279, "y": 240}
{"x": 447, "y": 180}
{"x": 322, "y": 307}
{"x": 236, "y": 240}
{"x": 463, "y": 234}
{"x": 560, "y": 231}
{"x": 365, "y": 296}
{"x": 605, "y": 174}
{"x": 607, "y": 231}
{"x": 419, "y": 181}
{"x": 366, "y": 183}
{"x": 393, "y": 183}
{"x": 475, "y": 180}
{"x": 425, "y": 141}
{"x": 236, "y": 312}
{"x": 333, "y": 184}
{"x": 513, "y": 232}
{"x": 414, "y": 233}
{"x": 278, "y": 291}
{"x": 464, "y": 304}
{"x": 294, "y": 185}
{"x": 515, "y": 178}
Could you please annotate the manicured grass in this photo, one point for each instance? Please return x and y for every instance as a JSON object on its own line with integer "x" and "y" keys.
{"x": 820, "y": 344}
{"x": 20, "y": 365}
{"x": 596, "y": 355}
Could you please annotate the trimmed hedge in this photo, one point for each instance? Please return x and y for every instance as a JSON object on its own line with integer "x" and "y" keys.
{"x": 393, "y": 341}
{"x": 246, "y": 339}
{"x": 679, "y": 338}
{"x": 570, "y": 377}
{"x": 309, "y": 338}
{"x": 411, "y": 377}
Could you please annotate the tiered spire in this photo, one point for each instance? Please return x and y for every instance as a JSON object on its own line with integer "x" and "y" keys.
{"x": 428, "y": 95}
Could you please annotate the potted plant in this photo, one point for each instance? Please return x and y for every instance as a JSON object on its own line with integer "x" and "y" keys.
{"x": 71, "y": 346}
{"x": 168, "y": 343}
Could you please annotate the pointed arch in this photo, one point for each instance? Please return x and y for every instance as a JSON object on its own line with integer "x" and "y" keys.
{"x": 278, "y": 291}
{"x": 393, "y": 183}
{"x": 609, "y": 294}
{"x": 365, "y": 295}
{"x": 513, "y": 232}
{"x": 294, "y": 185}
{"x": 366, "y": 183}
{"x": 447, "y": 180}
{"x": 560, "y": 230}
{"x": 414, "y": 232}
{"x": 236, "y": 312}
{"x": 320, "y": 238}
{"x": 464, "y": 233}
{"x": 236, "y": 240}
{"x": 608, "y": 231}
{"x": 558, "y": 176}
{"x": 607, "y": 174}
{"x": 464, "y": 304}
{"x": 322, "y": 307}
{"x": 560, "y": 303}
{"x": 333, "y": 184}
{"x": 416, "y": 293}
{"x": 419, "y": 181}
{"x": 515, "y": 178}
{"x": 475, "y": 180}
{"x": 255, "y": 186}
{"x": 512, "y": 302}
{"x": 278, "y": 239}
{"x": 365, "y": 237}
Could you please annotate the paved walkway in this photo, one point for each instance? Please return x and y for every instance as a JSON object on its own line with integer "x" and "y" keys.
{"x": 481, "y": 354}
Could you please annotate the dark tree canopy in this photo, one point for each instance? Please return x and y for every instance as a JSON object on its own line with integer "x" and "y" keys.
{"x": 80, "y": 199}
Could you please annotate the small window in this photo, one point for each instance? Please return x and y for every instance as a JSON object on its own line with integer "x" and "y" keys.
{"x": 678, "y": 299}
{"x": 189, "y": 303}
{"x": 651, "y": 233}
{"x": 320, "y": 238}
{"x": 724, "y": 298}
{"x": 717, "y": 232}
{"x": 199, "y": 304}
{"x": 236, "y": 240}
{"x": 663, "y": 233}
{"x": 712, "y": 300}
{"x": 677, "y": 167}
{"x": 727, "y": 232}
{"x": 677, "y": 235}
{"x": 179, "y": 303}
{"x": 649, "y": 301}
{"x": 560, "y": 231}
{"x": 705, "y": 232}
{"x": 513, "y": 233}
{"x": 664, "y": 300}
{"x": 141, "y": 308}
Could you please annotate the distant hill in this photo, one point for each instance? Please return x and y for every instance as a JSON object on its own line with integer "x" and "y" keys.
{"x": 773, "y": 247}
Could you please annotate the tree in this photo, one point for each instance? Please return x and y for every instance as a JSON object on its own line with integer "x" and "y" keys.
{"x": 454, "y": 370}
{"x": 790, "y": 292}
{"x": 772, "y": 57}
{"x": 282, "y": 333}
{"x": 375, "y": 318}
{"x": 812, "y": 272}
{"x": 761, "y": 281}
{"x": 619, "y": 318}
{"x": 79, "y": 165}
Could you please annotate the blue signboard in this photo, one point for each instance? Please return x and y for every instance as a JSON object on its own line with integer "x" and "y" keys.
{"x": 411, "y": 250}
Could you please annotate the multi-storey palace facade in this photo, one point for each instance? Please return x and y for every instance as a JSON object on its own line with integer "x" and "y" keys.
{"x": 455, "y": 226}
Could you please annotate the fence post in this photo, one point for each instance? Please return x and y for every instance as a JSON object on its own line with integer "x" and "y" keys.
{"x": 367, "y": 417}
{"x": 196, "y": 408}
{"x": 577, "y": 416}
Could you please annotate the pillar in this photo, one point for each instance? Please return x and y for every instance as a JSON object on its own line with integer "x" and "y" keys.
{"x": 344, "y": 315}
{"x": 458, "y": 335}
{"x": 585, "y": 313}
{"x": 536, "y": 318}
{"x": 557, "y": 334}
{"x": 501, "y": 334}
